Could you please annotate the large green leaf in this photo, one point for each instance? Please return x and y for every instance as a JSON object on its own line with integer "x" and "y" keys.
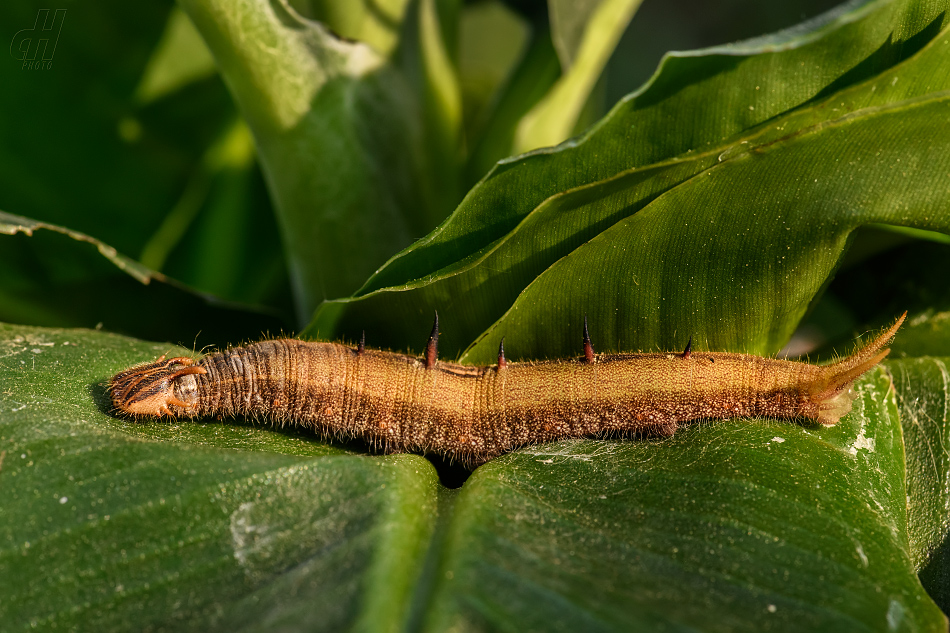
{"x": 110, "y": 524}
{"x": 54, "y": 276}
{"x": 733, "y": 282}
{"x": 342, "y": 134}
{"x": 695, "y": 102}
{"x": 685, "y": 246}
{"x": 115, "y": 525}
{"x": 726, "y": 527}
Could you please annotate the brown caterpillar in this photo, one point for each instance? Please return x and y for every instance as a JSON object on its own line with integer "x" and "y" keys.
{"x": 473, "y": 414}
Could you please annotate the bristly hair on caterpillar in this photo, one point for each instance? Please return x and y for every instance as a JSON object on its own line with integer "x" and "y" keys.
{"x": 472, "y": 414}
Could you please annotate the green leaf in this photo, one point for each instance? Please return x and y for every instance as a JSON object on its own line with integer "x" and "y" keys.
{"x": 926, "y": 335}
{"x": 130, "y": 158}
{"x": 733, "y": 283}
{"x": 569, "y": 24}
{"x": 58, "y": 277}
{"x": 718, "y": 244}
{"x": 907, "y": 275}
{"x": 746, "y": 525}
{"x": 341, "y": 135}
{"x": 115, "y": 525}
{"x": 111, "y": 161}
{"x": 426, "y": 57}
{"x": 922, "y": 386}
{"x": 886, "y": 271}
{"x": 695, "y": 102}
{"x": 529, "y": 80}
{"x": 584, "y": 35}
{"x": 111, "y": 524}
{"x": 492, "y": 39}
{"x": 221, "y": 237}
{"x": 376, "y": 24}
{"x": 179, "y": 58}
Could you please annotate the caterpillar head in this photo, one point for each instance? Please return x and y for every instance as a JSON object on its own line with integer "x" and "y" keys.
{"x": 149, "y": 389}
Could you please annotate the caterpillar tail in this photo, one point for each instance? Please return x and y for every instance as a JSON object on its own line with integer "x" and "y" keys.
{"x": 833, "y": 390}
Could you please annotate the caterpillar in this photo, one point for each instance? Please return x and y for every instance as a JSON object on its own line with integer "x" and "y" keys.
{"x": 472, "y": 414}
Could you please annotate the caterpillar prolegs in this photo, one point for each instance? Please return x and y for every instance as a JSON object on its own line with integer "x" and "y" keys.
{"x": 472, "y": 414}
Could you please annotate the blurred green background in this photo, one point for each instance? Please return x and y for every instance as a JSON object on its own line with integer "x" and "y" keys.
{"x": 131, "y": 137}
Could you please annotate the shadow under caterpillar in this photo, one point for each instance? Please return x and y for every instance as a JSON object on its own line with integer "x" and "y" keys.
{"x": 472, "y": 414}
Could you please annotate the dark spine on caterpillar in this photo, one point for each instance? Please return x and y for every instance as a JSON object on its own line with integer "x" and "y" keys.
{"x": 588, "y": 348}
{"x": 472, "y": 414}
